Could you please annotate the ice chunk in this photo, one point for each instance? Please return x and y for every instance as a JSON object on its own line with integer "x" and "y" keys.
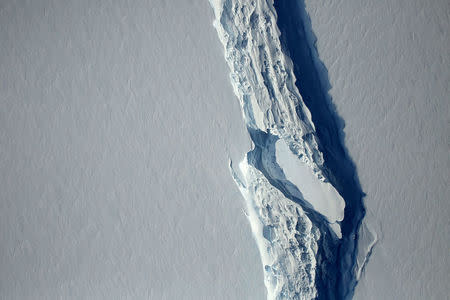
{"x": 322, "y": 196}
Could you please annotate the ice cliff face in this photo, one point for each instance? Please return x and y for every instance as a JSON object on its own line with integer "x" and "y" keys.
{"x": 294, "y": 211}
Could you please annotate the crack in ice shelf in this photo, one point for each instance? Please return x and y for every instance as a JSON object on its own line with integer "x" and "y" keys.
{"x": 294, "y": 209}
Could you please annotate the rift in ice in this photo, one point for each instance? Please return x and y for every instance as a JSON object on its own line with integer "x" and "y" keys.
{"x": 303, "y": 198}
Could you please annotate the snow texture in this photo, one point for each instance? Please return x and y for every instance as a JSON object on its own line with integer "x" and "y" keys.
{"x": 388, "y": 66}
{"x": 116, "y": 127}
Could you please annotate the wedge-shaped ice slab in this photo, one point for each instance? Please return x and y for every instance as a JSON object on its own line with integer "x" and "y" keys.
{"x": 322, "y": 196}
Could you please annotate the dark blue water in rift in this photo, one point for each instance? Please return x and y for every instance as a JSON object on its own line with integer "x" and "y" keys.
{"x": 336, "y": 259}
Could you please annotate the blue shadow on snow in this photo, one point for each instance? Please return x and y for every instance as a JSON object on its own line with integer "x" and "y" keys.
{"x": 335, "y": 276}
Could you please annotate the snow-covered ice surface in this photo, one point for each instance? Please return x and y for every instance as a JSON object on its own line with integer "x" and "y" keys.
{"x": 389, "y": 69}
{"x": 117, "y": 121}
{"x": 303, "y": 198}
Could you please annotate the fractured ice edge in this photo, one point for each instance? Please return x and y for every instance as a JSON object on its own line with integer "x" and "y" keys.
{"x": 296, "y": 214}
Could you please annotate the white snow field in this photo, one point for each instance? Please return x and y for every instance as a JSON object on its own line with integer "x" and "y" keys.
{"x": 117, "y": 122}
{"x": 389, "y": 69}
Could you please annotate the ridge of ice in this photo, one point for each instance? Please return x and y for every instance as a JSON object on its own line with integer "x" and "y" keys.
{"x": 262, "y": 75}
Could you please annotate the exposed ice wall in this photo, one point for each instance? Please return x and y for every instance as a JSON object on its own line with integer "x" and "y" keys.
{"x": 282, "y": 177}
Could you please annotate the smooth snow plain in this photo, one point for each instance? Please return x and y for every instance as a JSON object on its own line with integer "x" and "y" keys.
{"x": 388, "y": 64}
{"x": 117, "y": 123}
